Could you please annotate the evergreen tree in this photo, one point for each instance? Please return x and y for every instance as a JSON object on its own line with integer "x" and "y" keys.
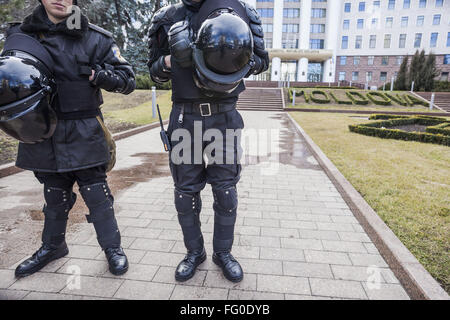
{"x": 414, "y": 70}
{"x": 430, "y": 72}
{"x": 13, "y": 10}
{"x": 401, "y": 82}
{"x": 420, "y": 82}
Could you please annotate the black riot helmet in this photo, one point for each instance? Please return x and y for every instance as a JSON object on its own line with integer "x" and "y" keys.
{"x": 26, "y": 90}
{"x": 222, "y": 52}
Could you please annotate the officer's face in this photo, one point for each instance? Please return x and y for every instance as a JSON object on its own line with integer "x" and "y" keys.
{"x": 58, "y": 8}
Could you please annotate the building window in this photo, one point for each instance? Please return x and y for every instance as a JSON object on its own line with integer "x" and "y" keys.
{"x": 317, "y": 13}
{"x": 316, "y": 43}
{"x": 347, "y": 7}
{"x": 374, "y": 23}
{"x": 448, "y": 39}
{"x": 369, "y": 76}
{"x": 384, "y": 60}
{"x": 290, "y": 44}
{"x": 439, "y": 3}
{"x": 370, "y": 60}
{"x": 268, "y": 43}
{"x": 399, "y": 60}
{"x": 346, "y": 25}
{"x": 362, "y": 7}
{"x": 343, "y": 60}
{"x": 383, "y": 76}
{"x": 355, "y": 75}
{"x": 436, "y": 19}
{"x": 341, "y": 75}
{"x": 420, "y": 20}
{"x": 433, "y": 39}
{"x": 389, "y": 22}
{"x": 356, "y": 60}
{"x": 387, "y": 41}
{"x": 444, "y": 76}
{"x": 417, "y": 40}
{"x": 358, "y": 42}
{"x": 360, "y": 24}
{"x": 373, "y": 41}
{"x": 291, "y": 13}
{"x": 406, "y": 4}
{"x": 422, "y": 3}
{"x": 265, "y": 12}
{"x": 376, "y": 5}
{"x": 402, "y": 41}
{"x": 404, "y": 22}
{"x": 267, "y": 27}
{"x": 290, "y": 28}
{"x": 447, "y": 59}
{"x": 391, "y": 5}
{"x": 344, "y": 44}
{"x": 317, "y": 28}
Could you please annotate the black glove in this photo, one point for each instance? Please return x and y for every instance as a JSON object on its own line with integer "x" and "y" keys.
{"x": 111, "y": 80}
{"x": 180, "y": 42}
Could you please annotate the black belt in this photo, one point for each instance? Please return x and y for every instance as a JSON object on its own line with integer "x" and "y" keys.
{"x": 205, "y": 109}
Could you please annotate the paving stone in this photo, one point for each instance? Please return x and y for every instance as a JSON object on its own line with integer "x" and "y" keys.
{"x": 162, "y": 258}
{"x": 140, "y": 290}
{"x": 279, "y": 232}
{"x": 83, "y": 251}
{"x": 246, "y": 252}
{"x": 91, "y": 286}
{"x": 150, "y": 233}
{"x": 327, "y": 257}
{"x": 361, "y": 259}
{"x": 254, "y": 295}
{"x": 337, "y": 288}
{"x": 308, "y": 270}
{"x": 247, "y": 230}
{"x": 7, "y": 278}
{"x": 333, "y": 226}
{"x": 354, "y": 273}
{"x": 319, "y": 235}
{"x": 353, "y": 236}
{"x": 255, "y": 222}
{"x": 313, "y": 217}
{"x": 136, "y": 272}
{"x": 298, "y": 224}
{"x": 283, "y": 284}
{"x": 134, "y": 256}
{"x": 344, "y": 246}
{"x": 154, "y": 245}
{"x": 216, "y": 279}
{"x": 198, "y": 293}
{"x": 261, "y": 266}
{"x": 167, "y": 275}
{"x": 370, "y": 247}
{"x": 84, "y": 267}
{"x": 282, "y": 254}
{"x": 312, "y": 244}
{"x": 132, "y": 222}
{"x": 50, "y": 296}
{"x": 259, "y": 241}
{"x": 302, "y": 297}
{"x": 45, "y": 282}
{"x": 385, "y": 291}
{"x": 12, "y": 294}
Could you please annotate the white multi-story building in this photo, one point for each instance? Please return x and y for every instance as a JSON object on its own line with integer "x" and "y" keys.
{"x": 353, "y": 40}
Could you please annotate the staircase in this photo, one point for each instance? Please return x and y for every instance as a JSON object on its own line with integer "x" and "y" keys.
{"x": 268, "y": 99}
{"x": 441, "y": 99}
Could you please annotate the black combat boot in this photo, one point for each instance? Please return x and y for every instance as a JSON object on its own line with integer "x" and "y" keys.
{"x": 117, "y": 260}
{"x": 41, "y": 258}
{"x": 230, "y": 267}
{"x": 186, "y": 269}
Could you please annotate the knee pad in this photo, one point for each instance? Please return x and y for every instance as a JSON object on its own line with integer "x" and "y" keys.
{"x": 100, "y": 202}
{"x": 58, "y": 202}
{"x": 188, "y": 208}
{"x": 225, "y": 201}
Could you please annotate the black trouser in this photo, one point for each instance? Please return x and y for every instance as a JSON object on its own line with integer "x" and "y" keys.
{"x": 60, "y": 199}
{"x": 190, "y": 178}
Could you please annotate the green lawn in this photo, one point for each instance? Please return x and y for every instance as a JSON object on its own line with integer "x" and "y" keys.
{"x": 406, "y": 183}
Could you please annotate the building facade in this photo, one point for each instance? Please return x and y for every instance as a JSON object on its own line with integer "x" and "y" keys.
{"x": 352, "y": 40}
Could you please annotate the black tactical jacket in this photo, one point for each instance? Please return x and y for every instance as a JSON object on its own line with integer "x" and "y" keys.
{"x": 78, "y": 141}
{"x": 183, "y": 86}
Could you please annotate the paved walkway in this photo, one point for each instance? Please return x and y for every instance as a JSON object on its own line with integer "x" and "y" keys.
{"x": 295, "y": 236}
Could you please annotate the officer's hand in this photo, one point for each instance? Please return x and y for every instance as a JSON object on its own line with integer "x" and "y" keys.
{"x": 92, "y": 76}
{"x": 167, "y": 61}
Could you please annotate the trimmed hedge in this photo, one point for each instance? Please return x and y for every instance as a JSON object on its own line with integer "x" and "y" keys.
{"x": 357, "y": 98}
{"x": 298, "y": 94}
{"x": 412, "y": 100}
{"x": 397, "y": 98}
{"x": 338, "y": 100}
{"x": 372, "y": 96}
{"x": 443, "y": 128}
{"x": 381, "y": 129}
{"x": 315, "y": 99}
{"x": 334, "y": 87}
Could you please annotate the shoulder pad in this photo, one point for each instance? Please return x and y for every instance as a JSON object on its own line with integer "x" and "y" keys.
{"x": 166, "y": 15}
{"x": 100, "y": 30}
{"x": 257, "y": 29}
{"x": 252, "y": 13}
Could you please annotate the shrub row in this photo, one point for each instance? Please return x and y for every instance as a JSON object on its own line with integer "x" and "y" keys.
{"x": 357, "y": 97}
{"x": 146, "y": 83}
{"x": 378, "y": 98}
{"x": 339, "y": 101}
{"x": 443, "y": 128}
{"x": 412, "y": 100}
{"x": 381, "y": 129}
{"x": 315, "y": 96}
{"x": 397, "y": 98}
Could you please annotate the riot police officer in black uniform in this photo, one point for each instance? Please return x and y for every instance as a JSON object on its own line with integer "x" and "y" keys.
{"x": 85, "y": 60}
{"x": 206, "y": 48}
